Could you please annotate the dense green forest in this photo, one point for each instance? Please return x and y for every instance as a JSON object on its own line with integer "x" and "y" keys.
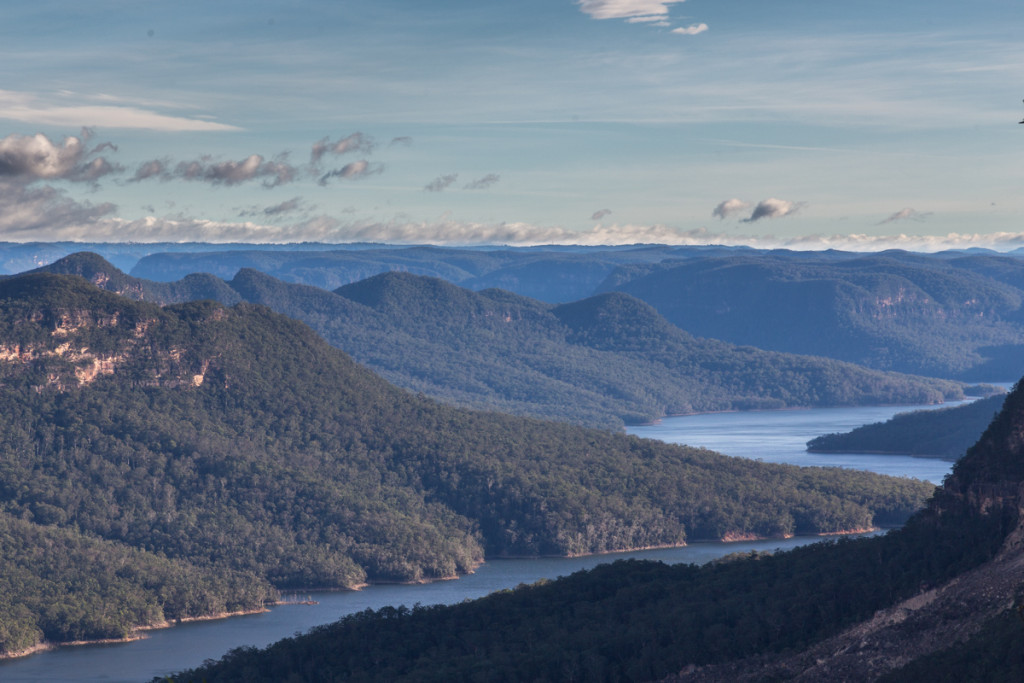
{"x": 60, "y": 585}
{"x": 943, "y": 433}
{"x": 643, "y": 621}
{"x": 950, "y": 315}
{"x": 237, "y": 440}
{"x": 601, "y": 361}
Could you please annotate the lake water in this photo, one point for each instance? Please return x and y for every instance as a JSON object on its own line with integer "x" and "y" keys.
{"x": 774, "y": 436}
{"x": 782, "y": 436}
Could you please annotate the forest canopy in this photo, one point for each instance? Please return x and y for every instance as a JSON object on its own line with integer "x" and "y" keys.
{"x": 235, "y": 440}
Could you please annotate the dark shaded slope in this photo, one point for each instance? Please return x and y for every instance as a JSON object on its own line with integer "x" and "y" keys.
{"x": 944, "y": 433}
{"x": 852, "y": 610}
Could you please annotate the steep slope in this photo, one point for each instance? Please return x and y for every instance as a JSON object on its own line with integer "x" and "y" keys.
{"x": 896, "y": 311}
{"x": 987, "y": 483}
{"x": 850, "y": 611}
{"x": 236, "y": 440}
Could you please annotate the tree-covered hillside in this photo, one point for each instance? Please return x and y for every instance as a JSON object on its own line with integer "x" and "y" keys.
{"x": 958, "y": 565}
{"x": 943, "y": 433}
{"x": 60, "y": 585}
{"x": 930, "y": 315}
{"x": 236, "y": 440}
{"x": 601, "y": 361}
{"x": 951, "y": 314}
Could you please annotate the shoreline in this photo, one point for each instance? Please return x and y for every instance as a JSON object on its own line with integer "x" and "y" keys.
{"x": 944, "y": 458}
{"x": 657, "y": 421}
{"x": 140, "y": 632}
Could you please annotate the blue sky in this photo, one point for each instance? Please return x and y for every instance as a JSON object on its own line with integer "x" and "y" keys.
{"x": 795, "y": 123}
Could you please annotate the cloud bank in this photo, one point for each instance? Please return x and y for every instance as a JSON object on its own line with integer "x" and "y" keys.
{"x": 46, "y": 214}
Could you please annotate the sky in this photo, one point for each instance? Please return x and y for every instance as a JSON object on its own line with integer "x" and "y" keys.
{"x": 794, "y": 123}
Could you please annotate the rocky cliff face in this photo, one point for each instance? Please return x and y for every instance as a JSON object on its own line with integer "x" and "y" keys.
{"x": 64, "y": 345}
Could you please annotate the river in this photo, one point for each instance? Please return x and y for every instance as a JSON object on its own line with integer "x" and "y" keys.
{"x": 772, "y": 436}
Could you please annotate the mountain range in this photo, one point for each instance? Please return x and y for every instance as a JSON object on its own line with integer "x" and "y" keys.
{"x": 600, "y": 361}
{"x": 954, "y": 314}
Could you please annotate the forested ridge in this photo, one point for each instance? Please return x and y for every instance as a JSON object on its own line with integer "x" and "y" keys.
{"x": 950, "y": 314}
{"x": 745, "y": 618}
{"x": 943, "y": 432}
{"x": 601, "y": 361}
{"x": 947, "y": 315}
{"x": 235, "y": 442}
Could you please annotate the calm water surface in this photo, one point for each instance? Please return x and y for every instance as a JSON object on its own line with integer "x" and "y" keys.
{"x": 781, "y": 436}
{"x": 777, "y": 436}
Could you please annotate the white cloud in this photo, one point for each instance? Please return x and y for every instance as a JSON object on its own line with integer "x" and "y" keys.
{"x": 691, "y": 30}
{"x": 28, "y": 158}
{"x": 773, "y": 208}
{"x": 27, "y": 107}
{"x": 730, "y": 207}
{"x": 906, "y": 214}
{"x": 626, "y": 9}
